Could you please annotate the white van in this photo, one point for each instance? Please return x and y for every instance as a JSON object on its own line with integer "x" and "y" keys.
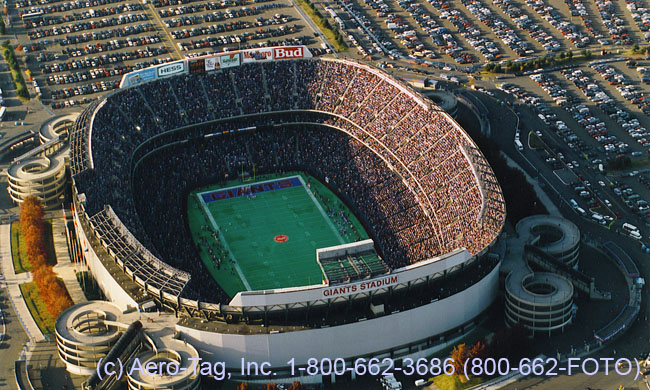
{"x": 574, "y": 204}
{"x": 597, "y": 217}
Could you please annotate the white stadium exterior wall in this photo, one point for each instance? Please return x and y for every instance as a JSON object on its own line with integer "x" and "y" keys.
{"x": 369, "y": 337}
{"x": 112, "y": 290}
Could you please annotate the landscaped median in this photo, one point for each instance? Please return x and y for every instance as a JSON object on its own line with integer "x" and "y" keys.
{"x": 19, "y": 248}
{"x": 46, "y": 296}
{"x": 330, "y": 33}
{"x": 14, "y": 68}
{"x": 37, "y": 308}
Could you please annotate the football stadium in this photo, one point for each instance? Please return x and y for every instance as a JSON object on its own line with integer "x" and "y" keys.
{"x": 286, "y": 207}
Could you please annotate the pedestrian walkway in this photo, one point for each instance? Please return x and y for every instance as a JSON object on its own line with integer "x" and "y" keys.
{"x": 64, "y": 267}
{"x": 13, "y": 281}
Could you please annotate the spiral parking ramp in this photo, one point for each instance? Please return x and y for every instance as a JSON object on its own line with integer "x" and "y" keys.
{"x": 540, "y": 301}
{"x": 86, "y": 333}
{"x": 41, "y": 171}
{"x": 174, "y": 370}
{"x": 92, "y": 331}
{"x": 556, "y": 236}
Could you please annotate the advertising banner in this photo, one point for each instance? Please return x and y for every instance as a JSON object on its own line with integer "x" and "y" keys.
{"x": 171, "y": 68}
{"x": 290, "y": 52}
{"x": 229, "y": 60}
{"x": 212, "y": 63}
{"x": 257, "y": 55}
{"x": 138, "y": 77}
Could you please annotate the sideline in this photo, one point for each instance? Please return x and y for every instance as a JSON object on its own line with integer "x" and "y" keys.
{"x": 223, "y": 241}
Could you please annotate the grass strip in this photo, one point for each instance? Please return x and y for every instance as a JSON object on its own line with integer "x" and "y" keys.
{"x": 332, "y": 35}
{"x": 37, "y": 308}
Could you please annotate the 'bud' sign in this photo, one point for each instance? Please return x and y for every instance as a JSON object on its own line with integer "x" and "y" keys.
{"x": 287, "y": 52}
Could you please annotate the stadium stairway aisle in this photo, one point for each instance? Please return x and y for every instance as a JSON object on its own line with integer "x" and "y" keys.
{"x": 64, "y": 267}
{"x": 12, "y": 283}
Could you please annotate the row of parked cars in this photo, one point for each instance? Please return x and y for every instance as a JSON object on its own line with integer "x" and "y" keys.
{"x": 372, "y": 33}
{"x": 214, "y": 41}
{"x": 100, "y": 61}
{"x": 48, "y": 7}
{"x": 107, "y": 34}
{"x": 569, "y": 31}
{"x": 640, "y": 15}
{"x": 578, "y": 8}
{"x": 84, "y": 15}
{"x": 468, "y": 30}
{"x": 623, "y": 85}
{"x": 608, "y": 105}
{"x": 87, "y": 25}
{"x": 526, "y": 23}
{"x": 227, "y": 27}
{"x": 499, "y": 27}
{"x": 582, "y": 114}
{"x": 614, "y": 24}
{"x": 631, "y": 198}
{"x": 85, "y": 89}
{"x": 116, "y": 44}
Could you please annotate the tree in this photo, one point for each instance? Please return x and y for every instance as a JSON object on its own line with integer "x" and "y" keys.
{"x": 478, "y": 350}
{"x": 459, "y": 354}
{"x": 296, "y": 386}
{"x": 51, "y": 289}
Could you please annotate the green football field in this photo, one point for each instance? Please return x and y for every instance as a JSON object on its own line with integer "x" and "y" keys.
{"x": 268, "y": 241}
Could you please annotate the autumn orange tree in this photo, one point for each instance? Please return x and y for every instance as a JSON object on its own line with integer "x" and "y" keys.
{"x": 50, "y": 288}
{"x": 461, "y": 353}
{"x": 296, "y": 386}
{"x": 242, "y": 386}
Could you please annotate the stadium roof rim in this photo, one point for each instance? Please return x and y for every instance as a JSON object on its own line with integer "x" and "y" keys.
{"x": 419, "y": 98}
{"x": 83, "y": 133}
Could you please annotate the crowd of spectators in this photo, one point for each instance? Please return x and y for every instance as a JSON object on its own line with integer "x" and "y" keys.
{"x": 403, "y": 165}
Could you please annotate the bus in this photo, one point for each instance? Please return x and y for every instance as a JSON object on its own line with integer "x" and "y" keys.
{"x": 32, "y": 16}
{"x": 519, "y": 145}
{"x": 630, "y": 228}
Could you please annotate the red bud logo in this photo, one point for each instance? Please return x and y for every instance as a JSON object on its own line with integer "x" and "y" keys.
{"x": 283, "y": 53}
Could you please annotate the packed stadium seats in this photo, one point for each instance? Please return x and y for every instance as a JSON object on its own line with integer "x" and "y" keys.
{"x": 410, "y": 173}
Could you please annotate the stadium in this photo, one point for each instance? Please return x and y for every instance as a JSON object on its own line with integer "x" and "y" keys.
{"x": 286, "y": 207}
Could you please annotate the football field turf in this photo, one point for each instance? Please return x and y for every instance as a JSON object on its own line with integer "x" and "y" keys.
{"x": 268, "y": 240}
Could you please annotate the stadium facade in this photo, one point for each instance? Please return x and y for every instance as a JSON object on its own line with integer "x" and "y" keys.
{"x": 440, "y": 280}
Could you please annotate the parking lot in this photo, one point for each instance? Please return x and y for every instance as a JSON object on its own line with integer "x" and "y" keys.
{"x": 76, "y": 50}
